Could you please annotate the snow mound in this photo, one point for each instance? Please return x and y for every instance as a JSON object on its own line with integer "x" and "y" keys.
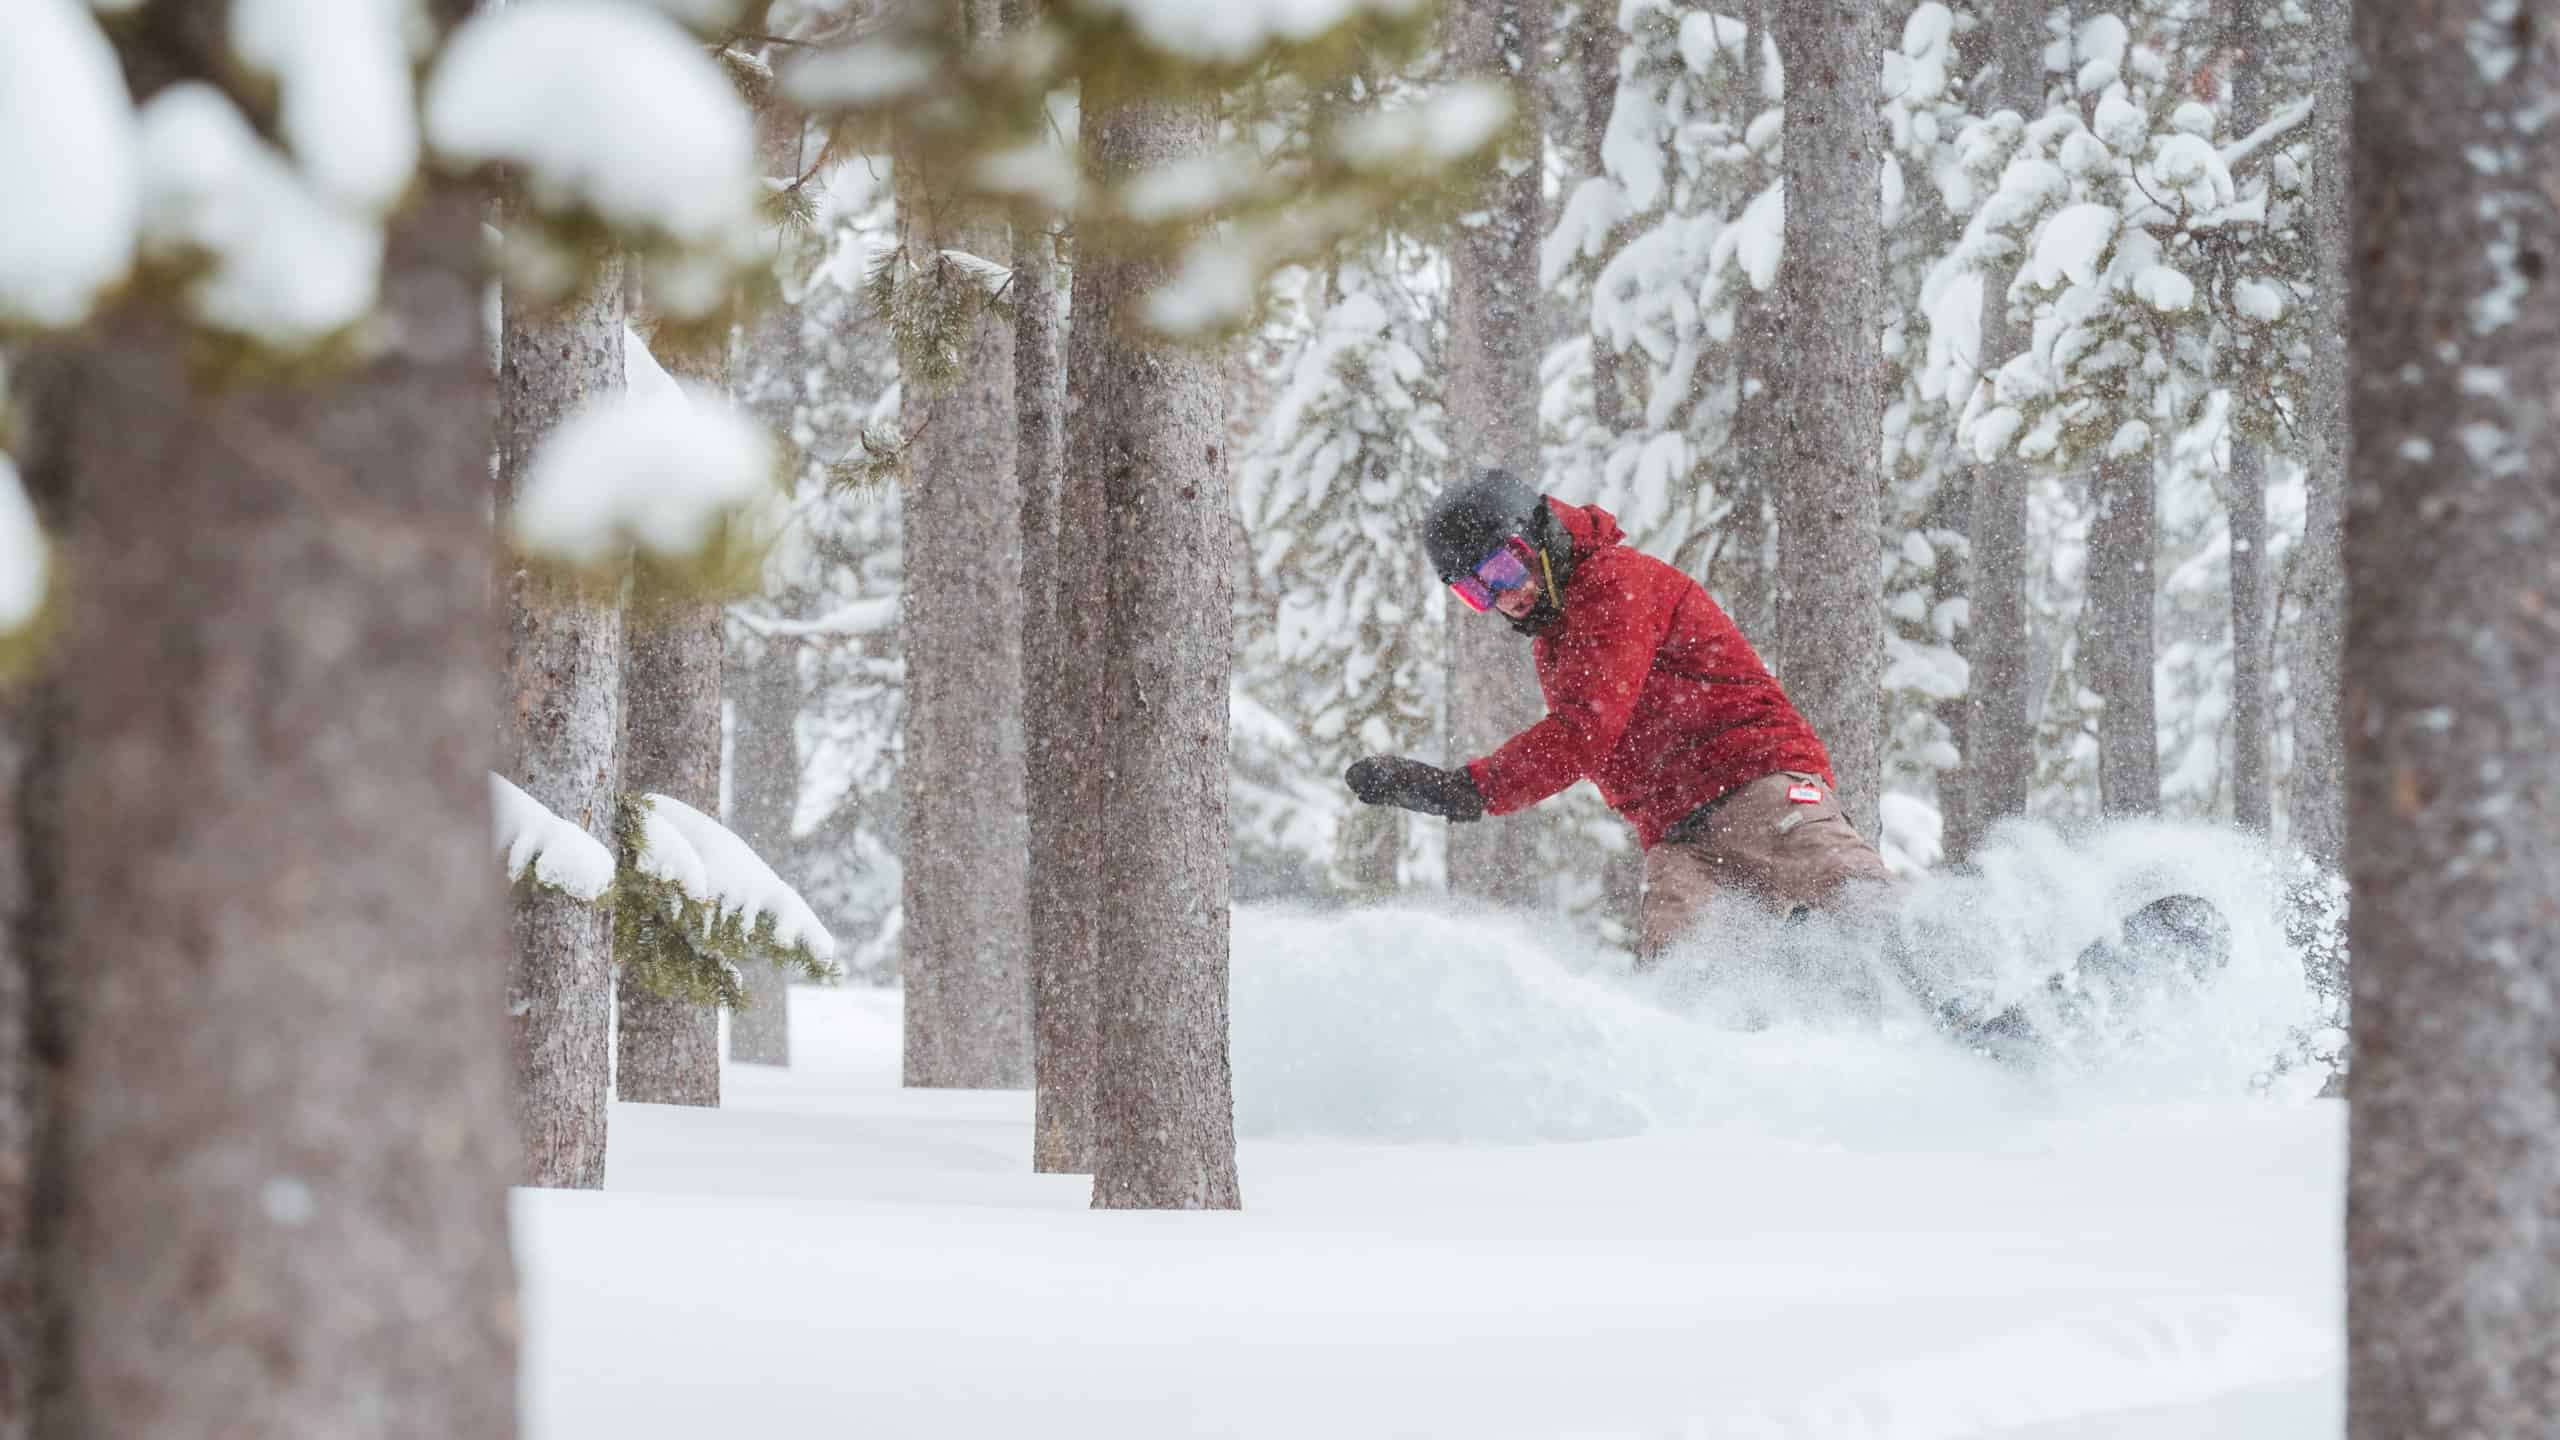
{"x": 1411, "y": 1022}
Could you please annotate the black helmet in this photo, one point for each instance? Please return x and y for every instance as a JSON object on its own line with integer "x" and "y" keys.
{"x": 1471, "y": 520}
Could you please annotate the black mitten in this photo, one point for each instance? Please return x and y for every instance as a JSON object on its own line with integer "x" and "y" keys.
{"x": 1413, "y": 785}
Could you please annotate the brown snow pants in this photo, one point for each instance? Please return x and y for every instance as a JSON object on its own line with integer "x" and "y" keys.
{"x": 1766, "y": 839}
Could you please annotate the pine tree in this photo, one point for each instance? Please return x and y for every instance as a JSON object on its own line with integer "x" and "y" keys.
{"x": 2453, "y": 657}
{"x": 1830, "y": 616}
{"x": 1146, "y": 422}
{"x": 1492, "y": 400}
{"x": 2316, "y": 802}
{"x": 667, "y": 1047}
{"x": 278, "y": 712}
{"x": 1928, "y": 498}
{"x": 1332, "y": 497}
{"x": 560, "y": 744}
{"x": 1058, "y": 799}
{"x": 964, "y": 964}
{"x": 1999, "y": 749}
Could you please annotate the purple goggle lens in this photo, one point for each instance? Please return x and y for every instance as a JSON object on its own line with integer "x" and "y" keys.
{"x": 1507, "y": 569}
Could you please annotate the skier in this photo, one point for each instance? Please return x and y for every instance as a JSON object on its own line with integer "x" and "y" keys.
{"x": 1655, "y": 697}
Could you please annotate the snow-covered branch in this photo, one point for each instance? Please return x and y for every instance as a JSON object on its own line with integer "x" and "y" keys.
{"x": 872, "y": 616}
{"x": 542, "y": 849}
{"x": 2282, "y": 123}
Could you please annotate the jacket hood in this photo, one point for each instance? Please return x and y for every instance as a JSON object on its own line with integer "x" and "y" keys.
{"x": 1591, "y": 527}
{"x": 1587, "y": 529}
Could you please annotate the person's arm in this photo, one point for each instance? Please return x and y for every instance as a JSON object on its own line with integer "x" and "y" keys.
{"x": 1597, "y": 669}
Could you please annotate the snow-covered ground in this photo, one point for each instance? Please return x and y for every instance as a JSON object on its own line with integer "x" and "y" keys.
{"x": 1800, "y": 1230}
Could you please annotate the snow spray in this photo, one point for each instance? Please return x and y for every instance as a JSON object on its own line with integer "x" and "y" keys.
{"x": 1428, "y": 1022}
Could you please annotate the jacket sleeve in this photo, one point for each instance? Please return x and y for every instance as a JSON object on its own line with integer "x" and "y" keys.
{"x": 1593, "y": 675}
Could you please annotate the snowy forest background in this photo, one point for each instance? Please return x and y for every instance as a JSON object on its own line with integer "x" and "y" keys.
{"x": 1657, "y": 245}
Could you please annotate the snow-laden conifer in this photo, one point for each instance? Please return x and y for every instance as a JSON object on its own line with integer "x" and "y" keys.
{"x": 1344, "y": 607}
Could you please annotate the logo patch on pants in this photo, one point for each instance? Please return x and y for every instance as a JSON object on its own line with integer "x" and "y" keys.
{"x": 1805, "y": 794}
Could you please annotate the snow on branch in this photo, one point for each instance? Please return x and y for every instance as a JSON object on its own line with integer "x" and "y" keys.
{"x": 730, "y": 876}
{"x": 612, "y": 115}
{"x": 66, "y": 165}
{"x": 23, "y": 566}
{"x": 342, "y": 73}
{"x": 2282, "y": 123}
{"x": 694, "y": 903}
{"x": 539, "y": 848}
{"x": 1236, "y": 31}
{"x": 272, "y": 258}
{"x": 687, "y": 479}
{"x": 979, "y": 110}
{"x": 872, "y": 616}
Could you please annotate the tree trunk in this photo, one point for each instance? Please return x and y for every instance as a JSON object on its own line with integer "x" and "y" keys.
{"x": 2453, "y": 663}
{"x": 35, "y": 1386}
{"x": 1148, "y": 423}
{"x": 1743, "y": 574}
{"x": 1062, "y": 714}
{"x": 287, "y": 1137}
{"x": 1596, "y": 42}
{"x": 667, "y": 1051}
{"x": 1830, "y": 562}
{"x": 764, "y": 789}
{"x": 27, "y": 829}
{"x": 965, "y": 967}
{"x": 1492, "y": 402}
{"x": 2117, "y": 654}
{"x": 2315, "y": 806}
{"x": 2250, "y": 806}
{"x": 1999, "y": 737}
{"x": 1072, "y": 759}
{"x": 564, "y": 675}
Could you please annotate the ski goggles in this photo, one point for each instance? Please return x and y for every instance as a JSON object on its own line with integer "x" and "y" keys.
{"x": 1505, "y": 570}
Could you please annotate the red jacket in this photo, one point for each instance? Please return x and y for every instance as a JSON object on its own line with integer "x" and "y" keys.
{"x": 1652, "y": 694}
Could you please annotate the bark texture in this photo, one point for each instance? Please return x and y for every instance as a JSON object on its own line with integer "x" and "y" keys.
{"x": 2315, "y": 801}
{"x": 1492, "y": 400}
{"x": 1062, "y": 716}
{"x": 667, "y": 1051}
{"x": 964, "y": 958}
{"x": 1743, "y": 573}
{"x": 1070, "y": 1035}
{"x": 1594, "y": 45}
{"x": 286, "y": 1131}
{"x": 2452, "y": 669}
{"x": 2250, "y": 637}
{"x": 1830, "y": 560}
{"x": 21, "y": 1116}
{"x": 2252, "y": 783}
{"x": 1147, "y": 419}
{"x": 563, "y": 726}
{"x": 761, "y": 691}
{"x": 35, "y": 1393}
{"x": 1999, "y": 736}
{"x": 764, "y": 788}
{"x": 2116, "y": 635}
